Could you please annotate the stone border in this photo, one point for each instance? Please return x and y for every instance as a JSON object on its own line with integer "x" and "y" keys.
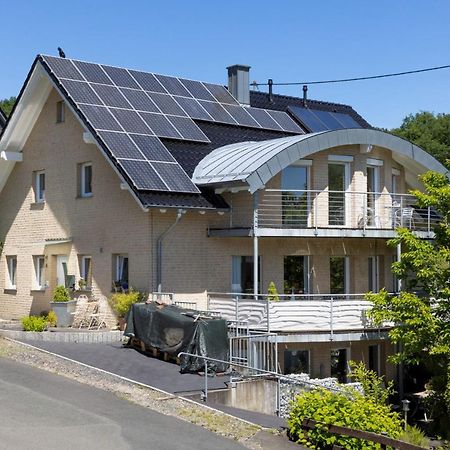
{"x": 86, "y": 337}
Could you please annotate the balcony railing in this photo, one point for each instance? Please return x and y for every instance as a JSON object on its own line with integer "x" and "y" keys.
{"x": 325, "y": 209}
{"x": 295, "y": 313}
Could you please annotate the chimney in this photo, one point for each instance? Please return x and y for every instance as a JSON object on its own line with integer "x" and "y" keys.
{"x": 305, "y": 95}
{"x": 238, "y": 83}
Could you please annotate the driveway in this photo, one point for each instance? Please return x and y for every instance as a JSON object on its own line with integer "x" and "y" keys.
{"x": 43, "y": 410}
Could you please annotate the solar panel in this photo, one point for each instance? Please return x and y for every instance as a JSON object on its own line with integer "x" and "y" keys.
{"x": 93, "y": 72}
{"x": 121, "y": 77}
{"x": 174, "y": 176}
{"x": 160, "y": 125}
{"x": 241, "y": 116}
{"x": 197, "y": 90}
{"x": 173, "y": 85}
{"x": 308, "y": 119}
{"x": 217, "y": 112}
{"x": 166, "y": 104}
{"x": 131, "y": 121}
{"x": 81, "y": 92}
{"x": 221, "y": 94}
{"x": 285, "y": 121}
{"x": 139, "y": 100}
{"x": 327, "y": 118}
{"x": 64, "y": 68}
{"x": 100, "y": 118}
{"x": 143, "y": 175}
{"x": 120, "y": 145}
{"x": 147, "y": 81}
{"x": 110, "y": 95}
{"x": 193, "y": 108}
{"x": 152, "y": 148}
{"x": 346, "y": 120}
{"x": 263, "y": 118}
{"x": 188, "y": 129}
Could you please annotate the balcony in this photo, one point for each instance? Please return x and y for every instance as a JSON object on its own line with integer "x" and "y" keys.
{"x": 326, "y": 317}
{"x": 325, "y": 213}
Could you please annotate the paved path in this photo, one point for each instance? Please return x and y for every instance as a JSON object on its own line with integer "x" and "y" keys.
{"x": 136, "y": 366}
{"x": 43, "y": 410}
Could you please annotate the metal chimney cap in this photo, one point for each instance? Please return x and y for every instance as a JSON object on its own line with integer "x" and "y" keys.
{"x": 239, "y": 67}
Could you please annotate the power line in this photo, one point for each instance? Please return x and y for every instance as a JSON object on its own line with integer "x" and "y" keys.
{"x": 345, "y": 80}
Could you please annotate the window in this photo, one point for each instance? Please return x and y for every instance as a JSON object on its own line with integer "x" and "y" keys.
{"x": 338, "y": 360}
{"x": 85, "y": 272}
{"x": 60, "y": 112}
{"x": 296, "y": 361}
{"x": 39, "y": 186}
{"x": 242, "y": 274}
{"x": 295, "y": 201}
{"x": 39, "y": 272}
{"x": 373, "y": 274}
{"x": 11, "y": 262}
{"x": 337, "y": 187}
{"x": 296, "y": 274}
{"x": 338, "y": 275}
{"x": 86, "y": 180}
{"x": 374, "y": 358}
{"x": 121, "y": 271}
{"x": 373, "y": 189}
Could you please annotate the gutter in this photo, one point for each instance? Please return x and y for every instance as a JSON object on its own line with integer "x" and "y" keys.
{"x": 159, "y": 243}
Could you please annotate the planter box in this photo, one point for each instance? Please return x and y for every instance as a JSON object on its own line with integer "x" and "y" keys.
{"x": 64, "y": 312}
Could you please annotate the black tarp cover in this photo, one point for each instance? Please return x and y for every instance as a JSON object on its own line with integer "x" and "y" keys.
{"x": 173, "y": 330}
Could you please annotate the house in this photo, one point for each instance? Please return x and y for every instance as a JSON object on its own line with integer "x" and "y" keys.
{"x": 126, "y": 178}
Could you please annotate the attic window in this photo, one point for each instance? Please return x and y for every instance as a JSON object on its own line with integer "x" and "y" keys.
{"x": 60, "y": 112}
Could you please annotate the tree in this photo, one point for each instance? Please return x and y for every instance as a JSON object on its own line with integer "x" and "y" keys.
{"x": 429, "y": 131}
{"x": 421, "y": 312}
{"x": 7, "y": 105}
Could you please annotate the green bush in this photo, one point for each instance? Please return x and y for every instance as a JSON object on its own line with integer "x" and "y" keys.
{"x": 51, "y": 319}
{"x": 350, "y": 409}
{"x": 272, "y": 292}
{"x": 34, "y": 323}
{"x": 121, "y": 302}
{"x": 414, "y": 436}
{"x": 61, "y": 294}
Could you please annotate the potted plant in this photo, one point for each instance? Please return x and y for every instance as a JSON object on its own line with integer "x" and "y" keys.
{"x": 63, "y": 306}
{"x": 82, "y": 284}
{"x": 121, "y": 303}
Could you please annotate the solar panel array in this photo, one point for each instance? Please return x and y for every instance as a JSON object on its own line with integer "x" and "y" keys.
{"x": 131, "y": 110}
{"x": 316, "y": 120}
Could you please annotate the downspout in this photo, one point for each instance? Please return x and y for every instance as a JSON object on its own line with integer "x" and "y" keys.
{"x": 159, "y": 243}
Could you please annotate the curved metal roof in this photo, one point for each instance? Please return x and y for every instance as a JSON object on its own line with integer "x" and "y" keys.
{"x": 255, "y": 163}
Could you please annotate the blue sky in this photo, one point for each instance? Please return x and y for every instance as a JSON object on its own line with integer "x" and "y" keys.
{"x": 283, "y": 40}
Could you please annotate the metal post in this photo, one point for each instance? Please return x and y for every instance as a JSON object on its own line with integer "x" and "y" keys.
{"x": 429, "y": 221}
{"x": 268, "y": 314}
{"x": 278, "y": 396}
{"x": 205, "y": 394}
{"x": 399, "y": 255}
{"x": 316, "y": 201}
{"x": 255, "y": 246}
{"x": 331, "y": 319}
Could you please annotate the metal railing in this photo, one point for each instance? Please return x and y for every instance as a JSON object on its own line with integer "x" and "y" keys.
{"x": 295, "y": 312}
{"x": 314, "y": 209}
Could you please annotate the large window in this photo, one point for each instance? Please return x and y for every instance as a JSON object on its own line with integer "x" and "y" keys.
{"x": 338, "y": 360}
{"x": 86, "y": 180}
{"x": 39, "y": 186}
{"x": 296, "y": 361}
{"x": 295, "y": 198}
{"x": 39, "y": 272}
{"x": 242, "y": 274}
{"x": 373, "y": 274}
{"x": 121, "y": 271}
{"x": 296, "y": 274}
{"x": 11, "y": 262}
{"x": 373, "y": 189}
{"x": 337, "y": 185}
{"x": 338, "y": 275}
{"x": 374, "y": 358}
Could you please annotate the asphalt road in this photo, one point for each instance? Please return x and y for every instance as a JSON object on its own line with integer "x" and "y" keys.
{"x": 40, "y": 410}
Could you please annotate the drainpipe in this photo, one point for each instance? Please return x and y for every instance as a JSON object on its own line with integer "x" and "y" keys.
{"x": 159, "y": 242}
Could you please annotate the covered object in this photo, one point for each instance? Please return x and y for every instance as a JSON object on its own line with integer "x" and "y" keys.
{"x": 172, "y": 330}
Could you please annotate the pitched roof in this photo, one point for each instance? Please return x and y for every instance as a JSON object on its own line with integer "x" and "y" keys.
{"x": 155, "y": 129}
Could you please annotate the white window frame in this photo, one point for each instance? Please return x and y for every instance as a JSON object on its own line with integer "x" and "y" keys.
{"x": 11, "y": 262}
{"x": 39, "y": 271}
{"x": 60, "y": 111}
{"x": 119, "y": 259}
{"x": 85, "y": 269}
{"x": 373, "y": 273}
{"x": 345, "y": 161}
{"x": 83, "y": 192}
{"x": 39, "y": 190}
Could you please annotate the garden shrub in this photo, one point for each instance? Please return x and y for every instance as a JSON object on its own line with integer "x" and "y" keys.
{"x": 61, "y": 294}
{"x": 121, "y": 302}
{"x": 34, "y": 323}
{"x": 272, "y": 292}
{"x": 350, "y": 409}
{"x": 51, "y": 318}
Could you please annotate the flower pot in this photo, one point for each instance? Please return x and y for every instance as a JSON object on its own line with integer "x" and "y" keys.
{"x": 64, "y": 312}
